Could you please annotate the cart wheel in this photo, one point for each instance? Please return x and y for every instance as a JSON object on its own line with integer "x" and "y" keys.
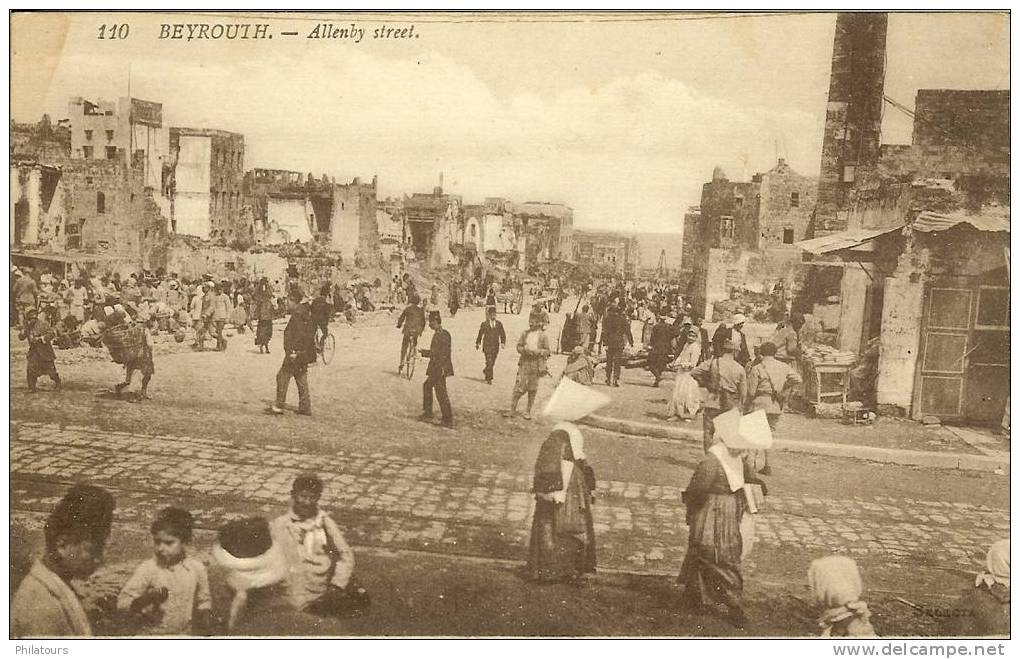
{"x": 328, "y": 349}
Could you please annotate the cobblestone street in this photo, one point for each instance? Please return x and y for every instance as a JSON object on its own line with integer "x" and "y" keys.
{"x": 399, "y": 502}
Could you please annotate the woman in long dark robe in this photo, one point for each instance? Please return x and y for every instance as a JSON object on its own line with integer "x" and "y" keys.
{"x": 263, "y": 313}
{"x": 715, "y": 505}
{"x": 562, "y": 531}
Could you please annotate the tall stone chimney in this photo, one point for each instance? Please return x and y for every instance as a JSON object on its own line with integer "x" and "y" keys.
{"x": 853, "y": 117}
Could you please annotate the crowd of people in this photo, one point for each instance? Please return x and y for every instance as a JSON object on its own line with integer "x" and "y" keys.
{"x": 303, "y": 552}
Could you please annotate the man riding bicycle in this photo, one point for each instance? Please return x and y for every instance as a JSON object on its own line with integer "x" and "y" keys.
{"x": 412, "y": 319}
{"x": 322, "y": 311}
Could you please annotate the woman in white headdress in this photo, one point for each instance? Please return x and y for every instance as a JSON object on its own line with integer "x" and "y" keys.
{"x": 837, "y": 588}
{"x": 716, "y": 503}
{"x": 563, "y": 532}
{"x": 984, "y": 609}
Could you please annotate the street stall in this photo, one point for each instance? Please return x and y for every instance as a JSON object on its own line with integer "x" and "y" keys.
{"x": 826, "y": 373}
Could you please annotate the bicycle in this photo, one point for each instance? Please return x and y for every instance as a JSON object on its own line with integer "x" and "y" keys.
{"x": 409, "y": 358}
{"x": 326, "y": 347}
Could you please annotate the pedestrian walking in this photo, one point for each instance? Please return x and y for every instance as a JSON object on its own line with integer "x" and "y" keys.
{"x": 41, "y": 359}
{"x": 264, "y": 314}
{"x": 533, "y": 348}
{"x": 562, "y": 546}
{"x": 768, "y": 384}
{"x": 716, "y": 503}
{"x": 615, "y": 335}
{"x": 141, "y": 360}
{"x": 26, "y": 293}
{"x": 491, "y": 337}
{"x": 661, "y": 341}
{"x": 726, "y": 383}
{"x": 220, "y": 314}
{"x": 585, "y": 327}
{"x": 298, "y": 352}
{"x": 836, "y": 586}
{"x": 440, "y": 367}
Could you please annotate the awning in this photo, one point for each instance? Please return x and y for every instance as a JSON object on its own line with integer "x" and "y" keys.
{"x": 986, "y": 220}
{"x": 842, "y": 240}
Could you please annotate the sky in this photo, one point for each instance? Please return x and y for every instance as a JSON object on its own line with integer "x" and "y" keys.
{"x": 621, "y": 117}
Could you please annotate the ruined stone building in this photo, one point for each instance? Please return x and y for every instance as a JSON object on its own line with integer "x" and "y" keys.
{"x": 493, "y": 233}
{"x": 43, "y": 141}
{"x": 288, "y": 207}
{"x": 86, "y": 212}
{"x": 204, "y": 180}
{"x": 742, "y": 236}
{"x": 283, "y": 207}
{"x": 547, "y": 229}
{"x": 919, "y": 259}
{"x": 616, "y": 251}
{"x": 433, "y": 226}
{"x": 129, "y": 129}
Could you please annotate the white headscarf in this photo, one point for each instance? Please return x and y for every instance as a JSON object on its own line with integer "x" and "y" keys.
{"x": 996, "y": 566}
{"x": 576, "y": 438}
{"x": 567, "y": 466}
{"x": 836, "y": 584}
{"x": 732, "y": 465}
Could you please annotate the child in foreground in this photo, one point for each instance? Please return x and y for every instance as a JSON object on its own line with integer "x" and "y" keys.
{"x": 169, "y": 593}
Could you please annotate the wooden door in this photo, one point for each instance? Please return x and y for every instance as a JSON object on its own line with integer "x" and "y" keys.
{"x": 987, "y": 382}
{"x": 944, "y": 347}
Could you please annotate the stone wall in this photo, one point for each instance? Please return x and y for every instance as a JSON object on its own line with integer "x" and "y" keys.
{"x": 787, "y": 202}
{"x": 853, "y": 117}
{"x": 193, "y": 262}
{"x": 962, "y": 117}
{"x": 354, "y": 226}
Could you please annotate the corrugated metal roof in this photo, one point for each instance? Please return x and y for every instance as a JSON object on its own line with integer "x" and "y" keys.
{"x": 843, "y": 240}
{"x": 987, "y": 220}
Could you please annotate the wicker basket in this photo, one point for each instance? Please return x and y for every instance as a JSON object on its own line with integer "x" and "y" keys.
{"x": 125, "y": 343}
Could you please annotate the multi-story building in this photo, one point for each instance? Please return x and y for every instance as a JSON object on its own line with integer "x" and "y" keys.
{"x": 742, "y": 236}
{"x": 616, "y": 251}
{"x": 205, "y": 182}
{"x": 104, "y": 130}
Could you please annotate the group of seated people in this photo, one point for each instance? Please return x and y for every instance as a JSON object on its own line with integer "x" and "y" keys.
{"x": 299, "y": 561}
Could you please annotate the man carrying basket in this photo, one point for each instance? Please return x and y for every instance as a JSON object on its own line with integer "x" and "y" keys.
{"x": 129, "y": 344}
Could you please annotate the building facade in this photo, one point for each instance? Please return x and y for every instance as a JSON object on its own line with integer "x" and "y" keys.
{"x": 616, "y": 251}
{"x": 741, "y": 237}
{"x": 922, "y": 265}
{"x": 104, "y": 130}
{"x": 205, "y": 180}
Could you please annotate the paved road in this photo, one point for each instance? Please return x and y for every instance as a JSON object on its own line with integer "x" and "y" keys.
{"x": 394, "y": 501}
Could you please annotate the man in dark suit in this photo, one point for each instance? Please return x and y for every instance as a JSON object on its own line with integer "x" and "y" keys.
{"x": 491, "y": 338}
{"x": 615, "y": 333}
{"x": 298, "y": 352}
{"x": 440, "y": 367}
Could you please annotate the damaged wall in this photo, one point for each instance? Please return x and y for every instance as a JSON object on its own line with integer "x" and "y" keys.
{"x": 354, "y": 227}
{"x": 193, "y": 262}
